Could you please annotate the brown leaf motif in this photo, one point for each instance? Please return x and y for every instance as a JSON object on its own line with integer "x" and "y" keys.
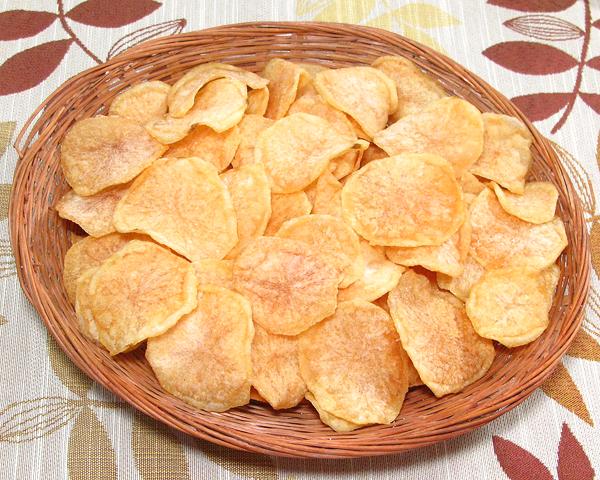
{"x": 15, "y": 24}
{"x": 594, "y": 63}
{"x": 2, "y": 320}
{"x": 243, "y": 464}
{"x": 539, "y": 106}
{"x": 544, "y": 27}
{"x": 170, "y": 27}
{"x": 584, "y": 346}
{"x": 110, "y": 14}
{"x": 573, "y": 463}
{"x": 592, "y": 100}
{"x": 534, "y": 5}
{"x": 561, "y": 388}
{"x": 518, "y": 463}
{"x": 70, "y": 376}
{"x": 530, "y": 58}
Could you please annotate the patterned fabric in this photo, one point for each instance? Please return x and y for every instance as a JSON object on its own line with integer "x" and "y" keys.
{"x": 56, "y": 423}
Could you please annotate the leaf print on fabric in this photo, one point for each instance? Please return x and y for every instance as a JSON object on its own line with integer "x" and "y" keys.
{"x": 15, "y": 24}
{"x": 534, "y": 5}
{"x": 530, "y": 58}
{"x": 70, "y": 376}
{"x": 584, "y": 346}
{"x": 518, "y": 463}
{"x": 7, "y": 260}
{"x": 3, "y": 320}
{"x": 110, "y": 14}
{"x": 346, "y": 11}
{"x": 6, "y": 132}
{"x": 561, "y": 388}
{"x": 170, "y": 27}
{"x": 573, "y": 463}
{"x": 592, "y": 99}
{"x": 243, "y": 464}
{"x": 544, "y": 27}
{"x": 594, "y": 63}
{"x": 423, "y": 15}
{"x": 539, "y": 106}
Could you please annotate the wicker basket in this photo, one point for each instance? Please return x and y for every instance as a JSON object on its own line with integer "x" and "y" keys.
{"x": 40, "y": 239}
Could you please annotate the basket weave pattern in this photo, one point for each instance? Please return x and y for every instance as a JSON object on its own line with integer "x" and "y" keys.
{"x": 40, "y": 240}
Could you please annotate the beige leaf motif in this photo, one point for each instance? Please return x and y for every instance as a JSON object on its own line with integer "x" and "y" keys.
{"x": 90, "y": 453}
{"x": 7, "y": 260}
{"x": 5, "y": 189}
{"x": 595, "y": 245}
{"x": 423, "y": 15}
{"x": 585, "y": 346}
{"x": 561, "y": 388}
{"x": 2, "y": 320}
{"x": 243, "y": 464}
{"x": 71, "y": 377}
{"x": 346, "y": 11}
{"x": 6, "y": 131}
{"x": 157, "y": 450}
{"x": 307, "y": 7}
{"x": 421, "y": 37}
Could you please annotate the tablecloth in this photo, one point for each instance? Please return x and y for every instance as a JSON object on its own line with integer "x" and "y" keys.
{"x": 56, "y": 423}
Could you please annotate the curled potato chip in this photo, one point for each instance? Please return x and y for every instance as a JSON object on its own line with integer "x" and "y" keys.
{"x": 93, "y": 213}
{"x": 461, "y": 285}
{"x": 275, "y": 370}
{"x": 437, "y": 335}
{"x": 218, "y": 273}
{"x": 250, "y": 127}
{"x": 337, "y": 423}
{"x": 181, "y": 203}
{"x": 142, "y": 103}
{"x": 332, "y": 237}
{"x": 290, "y": 285}
{"x": 141, "y": 291}
{"x": 183, "y": 94}
{"x": 297, "y": 149}
{"x": 471, "y": 184}
{"x": 100, "y": 152}
{"x": 414, "y": 87}
{"x": 206, "y": 358}
{"x": 327, "y": 199}
{"x": 284, "y": 79}
{"x": 511, "y": 305}
{"x": 251, "y": 197}
{"x": 203, "y": 142}
{"x": 346, "y": 163}
{"x": 379, "y": 276}
{"x": 451, "y": 128}
{"x": 353, "y": 364}
{"x": 537, "y": 203}
{"x": 499, "y": 239}
{"x": 407, "y": 200}
{"x": 85, "y": 319}
{"x": 284, "y": 207}
{"x": 506, "y": 156}
{"x": 364, "y": 93}
{"x": 257, "y": 101}
{"x": 373, "y": 152}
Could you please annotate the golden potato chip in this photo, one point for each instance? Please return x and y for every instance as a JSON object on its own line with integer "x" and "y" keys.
{"x": 297, "y": 149}
{"x": 284, "y": 207}
{"x": 373, "y": 152}
{"x": 364, "y": 93}
{"x": 353, "y": 364}
{"x": 85, "y": 319}
{"x": 414, "y": 87}
{"x": 511, "y": 305}
{"x": 506, "y": 156}
{"x": 203, "y": 142}
{"x": 93, "y": 213}
{"x": 257, "y": 101}
{"x": 250, "y": 127}
{"x": 184, "y": 93}
{"x": 379, "y": 276}
{"x": 407, "y": 200}
{"x": 413, "y": 376}
{"x": 206, "y": 358}
{"x": 312, "y": 68}
{"x": 346, "y": 163}
{"x": 139, "y": 292}
{"x": 332, "y": 237}
{"x": 220, "y": 105}
{"x": 471, "y": 184}
{"x": 74, "y": 236}
{"x": 254, "y": 395}
{"x": 90, "y": 252}
{"x": 218, "y": 273}
{"x": 327, "y": 198}
{"x": 290, "y": 285}
{"x": 437, "y": 335}
{"x": 251, "y": 197}
{"x": 100, "y": 152}
{"x": 337, "y": 423}
{"x": 142, "y": 103}
{"x": 451, "y": 128}
{"x": 183, "y": 204}
{"x": 358, "y": 131}
{"x": 275, "y": 370}
{"x": 499, "y": 239}
{"x": 284, "y": 79}
{"x": 461, "y": 285}
{"x": 537, "y": 203}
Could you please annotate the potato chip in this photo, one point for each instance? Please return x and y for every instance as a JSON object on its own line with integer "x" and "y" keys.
{"x": 257, "y": 101}
{"x": 511, "y": 305}
{"x": 181, "y": 203}
{"x": 506, "y": 156}
{"x": 451, "y": 128}
{"x": 346, "y": 163}
{"x": 284, "y": 79}
{"x": 220, "y": 105}
{"x": 290, "y": 285}
{"x": 332, "y": 237}
{"x": 275, "y": 370}
{"x": 250, "y": 127}
{"x": 312, "y": 68}
{"x": 74, "y": 236}
{"x": 93, "y": 213}
{"x": 85, "y": 319}
{"x": 218, "y": 273}
{"x": 100, "y": 152}
{"x": 337, "y": 423}
{"x": 297, "y": 149}
{"x": 461, "y": 285}
{"x": 184, "y": 93}
{"x": 203, "y": 142}
{"x": 414, "y": 87}
{"x": 537, "y": 203}
{"x": 414, "y": 380}
{"x": 327, "y": 199}
{"x": 499, "y": 239}
{"x": 205, "y": 359}
{"x": 379, "y": 276}
{"x": 407, "y": 200}
{"x": 353, "y": 364}
{"x": 284, "y": 207}
{"x": 471, "y": 184}
{"x": 358, "y": 131}
{"x": 364, "y": 93}
{"x": 251, "y": 197}
{"x": 437, "y": 335}
{"x": 254, "y": 395}
{"x": 141, "y": 291}
{"x": 373, "y": 152}
{"x": 142, "y": 103}
{"x": 90, "y": 252}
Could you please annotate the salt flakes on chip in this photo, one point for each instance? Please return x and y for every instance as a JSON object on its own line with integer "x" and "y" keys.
{"x": 537, "y": 203}
{"x": 218, "y": 273}
{"x": 142, "y": 103}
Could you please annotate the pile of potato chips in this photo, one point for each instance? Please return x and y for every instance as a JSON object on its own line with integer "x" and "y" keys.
{"x": 339, "y": 235}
